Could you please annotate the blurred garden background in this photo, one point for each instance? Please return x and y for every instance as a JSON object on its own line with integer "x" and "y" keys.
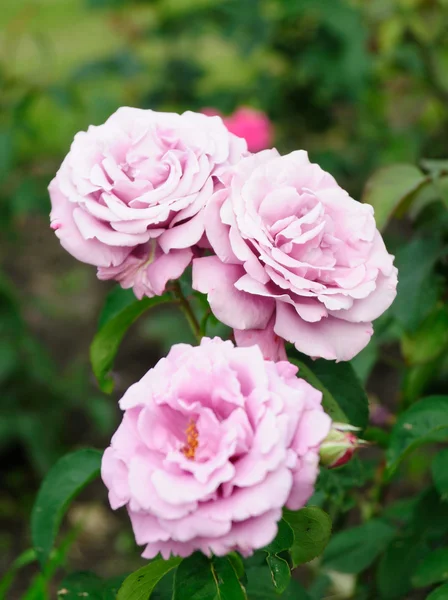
{"x": 360, "y": 84}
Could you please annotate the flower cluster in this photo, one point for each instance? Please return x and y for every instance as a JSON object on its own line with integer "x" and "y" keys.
{"x": 216, "y": 439}
{"x": 281, "y": 250}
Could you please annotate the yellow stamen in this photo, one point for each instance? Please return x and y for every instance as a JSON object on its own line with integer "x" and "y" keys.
{"x": 189, "y": 450}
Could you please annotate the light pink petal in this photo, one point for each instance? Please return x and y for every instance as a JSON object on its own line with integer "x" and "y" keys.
{"x": 165, "y": 268}
{"x": 270, "y": 344}
{"x": 184, "y": 235}
{"x": 234, "y": 308}
{"x": 90, "y": 251}
{"x": 330, "y": 338}
{"x": 370, "y": 308}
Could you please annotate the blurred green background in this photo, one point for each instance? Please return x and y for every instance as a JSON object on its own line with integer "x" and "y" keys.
{"x": 358, "y": 83}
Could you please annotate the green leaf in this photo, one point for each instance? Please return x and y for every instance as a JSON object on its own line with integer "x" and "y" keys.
{"x": 114, "y": 326}
{"x": 82, "y": 584}
{"x": 433, "y": 569}
{"x": 280, "y": 572}
{"x": 392, "y": 188}
{"x": 430, "y": 517}
{"x": 430, "y": 339}
{"x": 64, "y": 481}
{"x": 199, "y": 578}
{"x": 86, "y": 584}
{"x": 261, "y": 587}
{"x": 424, "y": 422}
{"x": 237, "y": 564}
{"x": 229, "y": 588}
{"x": 283, "y": 540}
{"x": 344, "y": 398}
{"x": 441, "y": 593}
{"x": 312, "y": 530}
{"x": 27, "y": 557}
{"x": 397, "y": 565}
{"x": 435, "y": 166}
{"x": 116, "y": 301}
{"x": 354, "y": 550}
{"x": 439, "y": 469}
{"x": 140, "y": 584}
{"x": 418, "y": 288}
{"x": 38, "y": 588}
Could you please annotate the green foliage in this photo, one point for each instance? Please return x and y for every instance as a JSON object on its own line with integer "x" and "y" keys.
{"x": 390, "y": 188}
{"x": 140, "y": 584}
{"x": 354, "y": 550}
{"x": 433, "y": 569}
{"x": 261, "y": 587}
{"x": 198, "y": 578}
{"x": 64, "y": 481}
{"x": 439, "y": 469}
{"x": 119, "y": 314}
{"x": 441, "y": 593}
{"x": 89, "y": 585}
{"x": 344, "y": 399}
{"x": 27, "y": 557}
{"x": 424, "y": 422}
{"x": 312, "y": 529}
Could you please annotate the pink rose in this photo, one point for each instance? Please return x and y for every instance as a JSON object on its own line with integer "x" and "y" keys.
{"x": 296, "y": 255}
{"x": 252, "y": 125}
{"x": 214, "y": 442}
{"x": 128, "y": 197}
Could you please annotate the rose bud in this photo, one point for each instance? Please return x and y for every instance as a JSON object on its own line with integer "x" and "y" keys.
{"x": 339, "y": 445}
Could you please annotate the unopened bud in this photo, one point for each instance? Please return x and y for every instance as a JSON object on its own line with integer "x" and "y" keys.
{"x": 339, "y": 445}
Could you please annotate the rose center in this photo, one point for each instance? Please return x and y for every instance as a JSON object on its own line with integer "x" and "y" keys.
{"x": 189, "y": 450}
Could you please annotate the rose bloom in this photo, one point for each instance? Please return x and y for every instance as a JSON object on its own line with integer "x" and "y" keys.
{"x": 214, "y": 441}
{"x": 252, "y": 125}
{"x": 128, "y": 197}
{"x": 296, "y": 258}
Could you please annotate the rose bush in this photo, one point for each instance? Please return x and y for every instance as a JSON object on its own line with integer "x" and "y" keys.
{"x": 128, "y": 197}
{"x": 296, "y": 258}
{"x": 214, "y": 441}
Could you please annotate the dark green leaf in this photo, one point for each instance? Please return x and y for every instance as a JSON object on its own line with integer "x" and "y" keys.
{"x": 260, "y": 586}
{"x": 312, "y": 530}
{"x": 430, "y": 517}
{"x": 417, "y": 287}
{"x": 397, "y": 565}
{"x": 441, "y": 593}
{"x": 82, "y": 584}
{"x": 353, "y": 550}
{"x": 391, "y": 187}
{"x": 140, "y": 584}
{"x": 440, "y": 473}
{"x": 283, "y": 540}
{"x": 226, "y": 578}
{"x": 433, "y": 569}
{"x": 344, "y": 398}
{"x": 116, "y": 301}
{"x": 107, "y": 341}
{"x": 280, "y": 572}
{"x": 237, "y": 564}
{"x": 64, "y": 481}
{"x": 424, "y": 422}
{"x": 199, "y": 578}
{"x": 85, "y": 584}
